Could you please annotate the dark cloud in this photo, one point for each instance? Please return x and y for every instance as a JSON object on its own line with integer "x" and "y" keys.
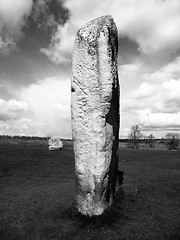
{"x": 27, "y": 64}
{"x": 15, "y": 70}
{"x": 45, "y": 17}
{"x": 128, "y": 50}
{"x": 22, "y": 68}
{"x": 5, "y": 93}
{"x": 21, "y": 21}
{"x": 4, "y": 117}
{"x": 12, "y": 19}
{"x": 171, "y": 105}
{"x": 160, "y": 129}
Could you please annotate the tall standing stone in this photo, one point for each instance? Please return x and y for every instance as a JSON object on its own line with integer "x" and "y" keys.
{"x": 95, "y": 114}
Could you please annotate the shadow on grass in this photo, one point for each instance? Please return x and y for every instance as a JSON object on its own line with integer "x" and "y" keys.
{"x": 112, "y": 215}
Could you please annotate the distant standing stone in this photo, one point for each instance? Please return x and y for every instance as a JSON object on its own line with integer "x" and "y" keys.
{"x": 95, "y": 114}
{"x": 55, "y": 143}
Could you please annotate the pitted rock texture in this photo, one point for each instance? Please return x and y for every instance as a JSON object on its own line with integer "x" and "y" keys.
{"x": 95, "y": 114}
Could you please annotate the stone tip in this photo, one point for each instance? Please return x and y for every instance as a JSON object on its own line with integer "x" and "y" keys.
{"x": 92, "y": 29}
{"x": 103, "y": 20}
{"x": 104, "y": 17}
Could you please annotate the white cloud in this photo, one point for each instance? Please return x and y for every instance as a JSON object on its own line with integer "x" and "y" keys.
{"x": 130, "y": 67}
{"x": 12, "y": 109}
{"x": 12, "y": 19}
{"x": 153, "y": 106}
{"x": 21, "y": 126}
{"x": 43, "y": 109}
{"x": 161, "y": 120}
{"x": 154, "y": 25}
{"x": 169, "y": 71}
{"x": 145, "y": 90}
{"x": 50, "y": 103}
{"x": 172, "y": 88}
{"x": 60, "y": 49}
{"x": 130, "y": 77}
{"x": 173, "y": 67}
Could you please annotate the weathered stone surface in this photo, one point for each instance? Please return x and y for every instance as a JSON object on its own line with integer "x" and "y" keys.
{"x": 95, "y": 114}
{"x": 55, "y": 143}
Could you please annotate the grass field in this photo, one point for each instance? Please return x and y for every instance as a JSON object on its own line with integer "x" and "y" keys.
{"x": 37, "y": 196}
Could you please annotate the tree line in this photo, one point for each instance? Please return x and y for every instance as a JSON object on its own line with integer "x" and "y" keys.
{"x": 4, "y": 137}
{"x": 171, "y": 140}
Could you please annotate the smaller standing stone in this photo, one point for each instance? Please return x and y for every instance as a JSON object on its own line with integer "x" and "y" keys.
{"x": 55, "y": 143}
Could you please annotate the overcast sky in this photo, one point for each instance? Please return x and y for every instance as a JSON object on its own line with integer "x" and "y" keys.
{"x": 36, "y": 43}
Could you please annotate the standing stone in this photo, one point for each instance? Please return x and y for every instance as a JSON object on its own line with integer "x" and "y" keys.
{"x": 55, "y": 143}
{"x": 95, "y": 114}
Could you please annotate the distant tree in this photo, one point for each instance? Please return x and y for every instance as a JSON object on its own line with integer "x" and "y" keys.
{"x": 134, "y": 136}
{"x": 151, "y": 140}
{"x": 172, "y": 141}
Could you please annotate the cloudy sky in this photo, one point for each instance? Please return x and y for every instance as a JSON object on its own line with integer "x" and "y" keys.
{"x": 36, "y": 43}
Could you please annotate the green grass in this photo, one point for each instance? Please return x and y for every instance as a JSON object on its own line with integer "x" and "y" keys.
{"x": 37, "y": 196}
